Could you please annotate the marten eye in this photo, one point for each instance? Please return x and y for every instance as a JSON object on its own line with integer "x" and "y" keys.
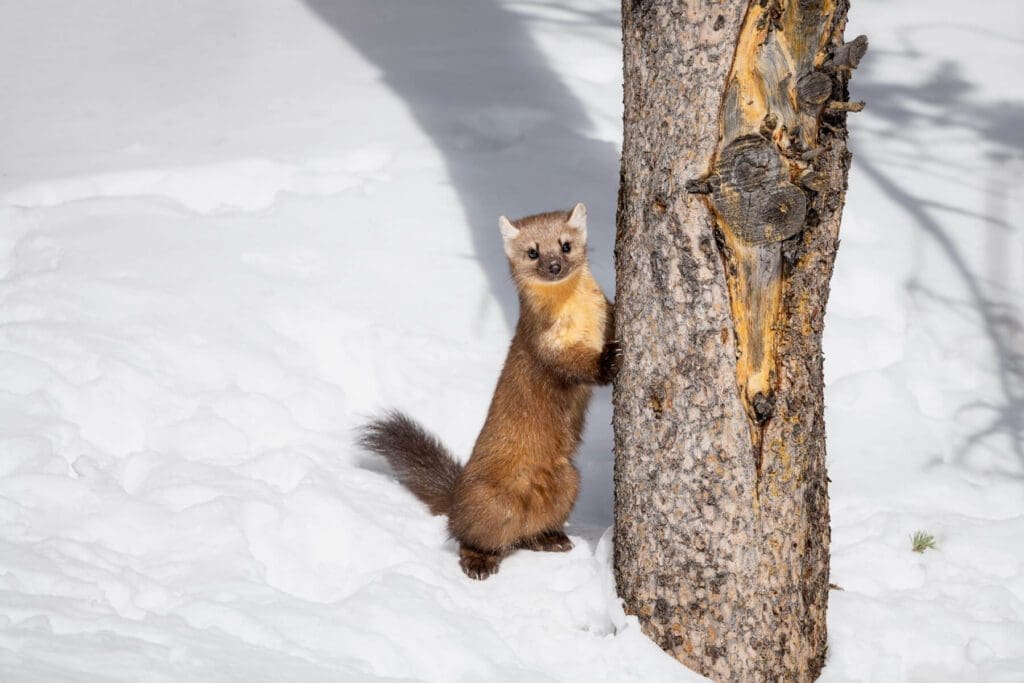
{"x": 533, "y": 254}
{"x": 566, "y": 247}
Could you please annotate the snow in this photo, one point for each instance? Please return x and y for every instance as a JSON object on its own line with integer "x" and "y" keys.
{"x": 231, "y": 231}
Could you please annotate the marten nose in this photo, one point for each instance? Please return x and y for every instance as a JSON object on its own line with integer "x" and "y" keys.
{"x": 555, "y": 268}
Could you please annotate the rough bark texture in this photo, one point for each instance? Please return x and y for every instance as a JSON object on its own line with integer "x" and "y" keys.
{"x": 734, "y": 172}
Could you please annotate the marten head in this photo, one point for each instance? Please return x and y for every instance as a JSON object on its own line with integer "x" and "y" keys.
{"x": 547, "y": 247}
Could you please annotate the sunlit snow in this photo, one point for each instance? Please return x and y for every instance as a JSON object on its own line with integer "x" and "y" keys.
{"x": 230, "y": 231}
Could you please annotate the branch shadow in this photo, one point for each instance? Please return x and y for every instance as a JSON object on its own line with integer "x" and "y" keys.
{"x": 946, "y": 100}
{"x": 514, "y": 138}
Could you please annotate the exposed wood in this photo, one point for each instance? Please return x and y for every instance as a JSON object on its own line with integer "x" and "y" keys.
{"x": 846, "y": 106}
{"x": 733, "y": 179}
{"x": 772, "y": 101}
{"x": 848, "y": 55}
{"x": 812, "y": 89}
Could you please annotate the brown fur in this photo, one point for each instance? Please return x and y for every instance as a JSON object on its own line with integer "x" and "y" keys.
{"x": 519, "y": 485}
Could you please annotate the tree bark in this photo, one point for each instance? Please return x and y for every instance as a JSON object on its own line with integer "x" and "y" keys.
{"x": 734, "y": 169}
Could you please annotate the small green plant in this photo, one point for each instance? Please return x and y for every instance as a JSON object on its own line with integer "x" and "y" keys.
{"x": 921, "y": 541}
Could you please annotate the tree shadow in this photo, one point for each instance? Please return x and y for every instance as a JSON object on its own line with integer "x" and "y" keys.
{"x": 947, "y": 100}
{"x": 514, "y": 138}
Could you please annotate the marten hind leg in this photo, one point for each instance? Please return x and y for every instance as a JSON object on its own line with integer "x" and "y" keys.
{"x": 554, "y": 541}
{"x": 479, "y": 564}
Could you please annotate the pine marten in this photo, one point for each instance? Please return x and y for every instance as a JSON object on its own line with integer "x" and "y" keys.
{"x": 519, "y": 485}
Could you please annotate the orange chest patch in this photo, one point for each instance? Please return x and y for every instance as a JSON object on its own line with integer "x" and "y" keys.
{"x": 577, "y": 312}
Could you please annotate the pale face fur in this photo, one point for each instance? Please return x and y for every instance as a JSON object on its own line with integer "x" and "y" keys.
{"x": 548, "y": 247}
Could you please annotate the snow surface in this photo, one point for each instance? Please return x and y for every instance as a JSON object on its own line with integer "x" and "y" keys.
{"x": 230, "y": 231}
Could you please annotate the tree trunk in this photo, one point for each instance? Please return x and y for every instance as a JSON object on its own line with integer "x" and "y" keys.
{"x": 734, "y": 168}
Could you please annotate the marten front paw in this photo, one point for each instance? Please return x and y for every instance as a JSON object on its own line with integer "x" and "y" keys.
{"x": 611, "y": 359}
{"x": 478, "y": 565}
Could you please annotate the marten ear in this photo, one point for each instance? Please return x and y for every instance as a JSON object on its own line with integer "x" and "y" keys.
{"x": 578, "y": 220}
{"x": 508, "y": 231}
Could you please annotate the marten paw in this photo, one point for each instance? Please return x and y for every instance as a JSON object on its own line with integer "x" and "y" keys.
{"x": 478, "y": 565}
{"x": 549, "y": 542}
{"x": 611, "y": 359}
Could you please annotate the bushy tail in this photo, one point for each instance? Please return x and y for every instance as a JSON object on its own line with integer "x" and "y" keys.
{"x": 419, "y": 460}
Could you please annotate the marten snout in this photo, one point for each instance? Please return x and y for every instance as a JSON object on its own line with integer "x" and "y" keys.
{"x": 552, "y": 267}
